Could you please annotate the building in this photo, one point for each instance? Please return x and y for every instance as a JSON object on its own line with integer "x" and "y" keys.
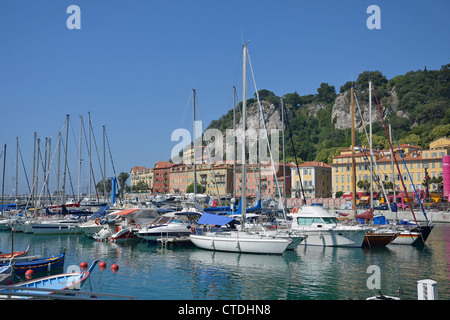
{"x": 414, "y": 163}
{"x": 268, "y": 180}
{"x": 141, "y": 174}
{"x": 161, "y": 177}
{"x": 316, "y": 180}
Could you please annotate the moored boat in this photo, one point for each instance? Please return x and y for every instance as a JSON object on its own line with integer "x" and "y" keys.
{"x": 65, "y": 281}
{"x": 324, "y": 229}
{"x": 36, "y": 263}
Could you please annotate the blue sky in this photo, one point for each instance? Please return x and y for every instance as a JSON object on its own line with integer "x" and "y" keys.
{"x": 133, "y": 63}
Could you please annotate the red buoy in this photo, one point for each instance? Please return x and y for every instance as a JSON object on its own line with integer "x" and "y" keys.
{"x": 102, "y": 264}
{"x": 114, "y": 267}
{"x": 29, "y": 274}
{"x": 83, "y": 265}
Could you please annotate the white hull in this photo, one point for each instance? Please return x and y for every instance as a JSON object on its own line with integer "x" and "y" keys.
{"x": 54, "y": 228}
{"x": 153, "y": 233}
{"x": 241, "y": 242}
{"x": 334, "y": 237}
{"x": 90, "y": 230}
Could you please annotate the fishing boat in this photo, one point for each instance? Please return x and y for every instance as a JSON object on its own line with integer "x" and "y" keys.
{"x": 324, "y": 229}
{"x": 64, "y": 281}
{"x": 36, "y": 263}
{"x": 7, "y": 272}
{"x": 15, "y": 254}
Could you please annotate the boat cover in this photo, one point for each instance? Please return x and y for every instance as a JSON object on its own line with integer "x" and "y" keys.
{"x": 209, "y": 218}
{"x": 124, "y": 212}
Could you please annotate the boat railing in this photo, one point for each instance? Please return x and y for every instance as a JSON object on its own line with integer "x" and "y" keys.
{"x": 14, "y": 293}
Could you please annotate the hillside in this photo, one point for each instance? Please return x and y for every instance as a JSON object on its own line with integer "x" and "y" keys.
{"x": 416, "y": 104}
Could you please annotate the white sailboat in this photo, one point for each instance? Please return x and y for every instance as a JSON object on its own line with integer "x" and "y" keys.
{"x": 240, "y": 240}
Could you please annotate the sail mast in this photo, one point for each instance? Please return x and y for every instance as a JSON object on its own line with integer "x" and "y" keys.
{"x": 244, "y": 165}
{"x": 353, "y": 213}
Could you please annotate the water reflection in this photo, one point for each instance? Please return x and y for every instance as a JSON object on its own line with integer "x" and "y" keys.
{"x": 150, "y": 271}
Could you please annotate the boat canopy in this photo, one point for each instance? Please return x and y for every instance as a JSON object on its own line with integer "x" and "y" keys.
{"x": 213, "y": 219}
{"x": 124, "y": 212}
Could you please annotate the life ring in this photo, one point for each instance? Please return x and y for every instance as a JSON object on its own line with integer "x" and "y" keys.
{"x": 138, "y": 225}
{"x": 192, "y": 229}
{"x": 294, "y": 210}
{"x": 118, "y": 229}
{"x": 97, "y": 221}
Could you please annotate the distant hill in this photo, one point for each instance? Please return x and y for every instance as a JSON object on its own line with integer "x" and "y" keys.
{"x": 416, "y": 104}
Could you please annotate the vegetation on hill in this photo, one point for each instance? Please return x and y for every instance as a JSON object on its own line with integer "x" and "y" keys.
{"x": 416, "y": 105}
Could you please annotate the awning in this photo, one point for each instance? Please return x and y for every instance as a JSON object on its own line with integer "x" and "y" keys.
{"x": 124, "y": 212}
{"x": 368, "y": 215}
{"x": 208, "y": 218}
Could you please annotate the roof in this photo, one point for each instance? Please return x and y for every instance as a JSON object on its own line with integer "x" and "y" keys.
{"x": 312, "y": 164}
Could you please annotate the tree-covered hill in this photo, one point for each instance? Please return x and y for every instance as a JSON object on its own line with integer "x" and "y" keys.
{"x": 416, "y": 104}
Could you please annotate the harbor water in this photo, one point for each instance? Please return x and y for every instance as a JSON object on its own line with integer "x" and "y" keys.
{"x": 152, "y": 272}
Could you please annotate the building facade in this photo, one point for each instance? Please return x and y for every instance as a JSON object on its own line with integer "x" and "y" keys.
{"x": 141, "y": 175}
{"x": 315, "y": 179}
{"x": 415, "y": 165}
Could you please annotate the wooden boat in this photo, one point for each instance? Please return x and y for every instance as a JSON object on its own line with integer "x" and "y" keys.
{"x": 15, "y": 254}
{"x": 379, "y": 237}
{"x": 6, "y": 273}
{"x": 37, "y": 264}
{"x": 64, "y": 281}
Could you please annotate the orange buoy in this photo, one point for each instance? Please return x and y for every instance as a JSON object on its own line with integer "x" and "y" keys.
{"x": 114, "y": 267}
{"x": 102, "y": 264}
{"x": 29, "y": 274}
{"x": 83, "y": 265}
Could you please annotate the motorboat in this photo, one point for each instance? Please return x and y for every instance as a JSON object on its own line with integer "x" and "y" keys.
{"x": 323, "y": 229}
{"x": 170, "y": 224}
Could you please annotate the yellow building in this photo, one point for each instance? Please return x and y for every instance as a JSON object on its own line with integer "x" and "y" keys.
{"x": 217, "y": 180}
{"x": 316, "y": 179}
{"x": 415, "y": 159}
{"x": 141, "y": 174}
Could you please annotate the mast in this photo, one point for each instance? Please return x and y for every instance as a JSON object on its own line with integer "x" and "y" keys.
{"x": 234, "y": 142}
{"x": 3, "y": 178}
{"x": 90, "y": 161}
{"x": 79, "y": 158}
{"x": 194, "y": 146}
{"x": 370, "y": 144}
{"x": 104, "y": 164}
{"x": 353, "y": 213}
{"x": 244, "y": 165}
{"x": 284, "y": 156}
{"x": 17, "y": 171}
{"x": 65, "y": 161}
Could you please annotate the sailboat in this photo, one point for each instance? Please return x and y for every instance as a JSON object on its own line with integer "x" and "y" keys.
{"x": 376, "y": 236}
{"x": 416, "y": 233}
{"x": 235, "y": 240}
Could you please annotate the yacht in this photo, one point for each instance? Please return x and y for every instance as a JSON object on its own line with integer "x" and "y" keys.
{"x": 323, "y": 229}
{"x": 171, "y": 224}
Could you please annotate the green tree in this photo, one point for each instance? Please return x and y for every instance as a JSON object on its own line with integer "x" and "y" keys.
{"x": 363, "y": 184}
{"x": 326, "y": 93}
{"x": 100, "y": 186}
{"x": 200, "y": 188}
{"x": 122, "y": 179}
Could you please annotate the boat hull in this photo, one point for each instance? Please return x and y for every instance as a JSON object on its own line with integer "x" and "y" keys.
{"x": 153, "y": 233}
{"x": 54, "y": 228}
{"x": 39, "y": 265}
{"x": 406, "y": 237}
{"x": 334, "y": 237}
{"x": 242, "y": 244}
{"x": 379, "y": 239}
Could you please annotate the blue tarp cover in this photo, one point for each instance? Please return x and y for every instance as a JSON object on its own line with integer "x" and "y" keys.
{"x": 208, "y": 218}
